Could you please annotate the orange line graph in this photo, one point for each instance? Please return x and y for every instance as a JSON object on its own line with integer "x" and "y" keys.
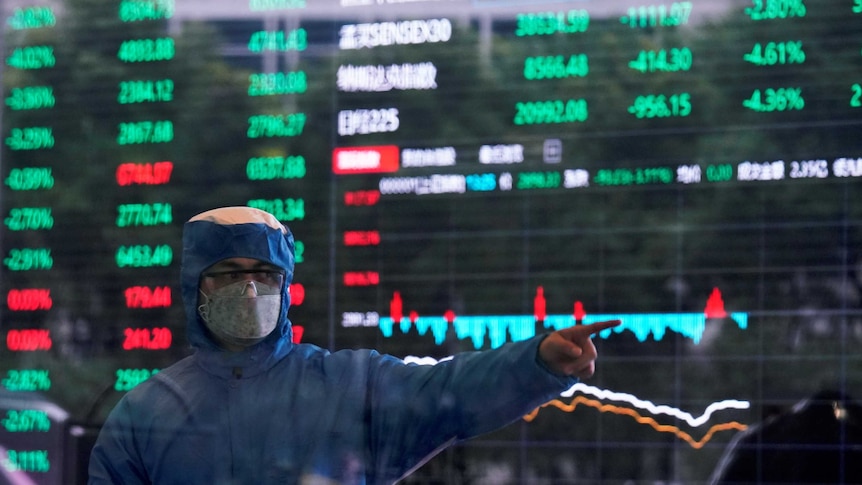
{"x": 664, "y": 428}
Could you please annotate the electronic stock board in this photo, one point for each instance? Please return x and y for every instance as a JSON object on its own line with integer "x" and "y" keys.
{"x": 457, "y": 174}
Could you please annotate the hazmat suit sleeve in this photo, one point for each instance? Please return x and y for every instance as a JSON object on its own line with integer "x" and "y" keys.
{"x": 415, "y": 411}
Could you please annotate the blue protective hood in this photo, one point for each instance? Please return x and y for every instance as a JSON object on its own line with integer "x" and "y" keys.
{"x": 231, "y": 232}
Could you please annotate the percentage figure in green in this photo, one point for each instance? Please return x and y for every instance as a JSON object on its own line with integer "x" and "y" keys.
{"x": 29, "y": 219}
{"x": 21, "y": 380}
{"x": 30, "y": 178}
{"x": 780, "y": 99}
{"x": 30, "y": 97}
{"x": 25, "y": 421}
{"x": 32, "y": 57}
{"x": 30, "y": 138}
{"x": 722, "y": 172}
{"x": 31, "y": 18}
{"x": 34, "y": 461}
{"x": 776, "y": 9}
{"x": 773, "y": 53}
{"x": 26, "y": 259}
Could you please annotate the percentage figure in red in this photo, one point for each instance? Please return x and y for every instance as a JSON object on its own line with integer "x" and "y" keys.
{"x": 28, "y": 340}
{"x": 28, "y": 300}
{"x": 147, "y": 338}
{"x": 146, "y": 297}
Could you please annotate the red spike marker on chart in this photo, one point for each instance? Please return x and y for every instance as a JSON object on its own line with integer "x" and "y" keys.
{"x": 715, "y": 305}
{"x": 579, "y": 312}
{"x": 396, "y": 307}
{"x": 540, "y": 305}
{"x": 449, "y": 316}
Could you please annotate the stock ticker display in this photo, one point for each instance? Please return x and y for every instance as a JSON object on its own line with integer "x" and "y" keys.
{"x": 458, "y": 174}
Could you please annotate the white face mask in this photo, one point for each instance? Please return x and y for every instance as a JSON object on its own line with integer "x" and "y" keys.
{"x": 241, "y": 313}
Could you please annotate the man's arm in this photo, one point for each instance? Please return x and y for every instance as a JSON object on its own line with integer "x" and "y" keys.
{"x": 416, "y": 409}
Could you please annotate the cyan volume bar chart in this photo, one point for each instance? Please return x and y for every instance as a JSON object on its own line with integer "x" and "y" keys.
{"x": 500, "y": 328}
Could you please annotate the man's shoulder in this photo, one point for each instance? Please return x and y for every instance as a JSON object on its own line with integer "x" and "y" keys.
{"x": 149, "y": 380}
{"x": 360, "y": 359}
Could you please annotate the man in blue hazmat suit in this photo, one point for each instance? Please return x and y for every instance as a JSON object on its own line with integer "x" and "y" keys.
{"x": 251, "y": 407}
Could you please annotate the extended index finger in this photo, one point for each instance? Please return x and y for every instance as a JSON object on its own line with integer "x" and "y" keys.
{"x": 597, "y": 327}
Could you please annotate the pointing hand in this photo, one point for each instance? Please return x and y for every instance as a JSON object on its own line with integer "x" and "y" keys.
{"x": 570, "y": 351}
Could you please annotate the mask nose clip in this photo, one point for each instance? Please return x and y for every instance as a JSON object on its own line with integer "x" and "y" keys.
{"x": 248, "y": 284}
